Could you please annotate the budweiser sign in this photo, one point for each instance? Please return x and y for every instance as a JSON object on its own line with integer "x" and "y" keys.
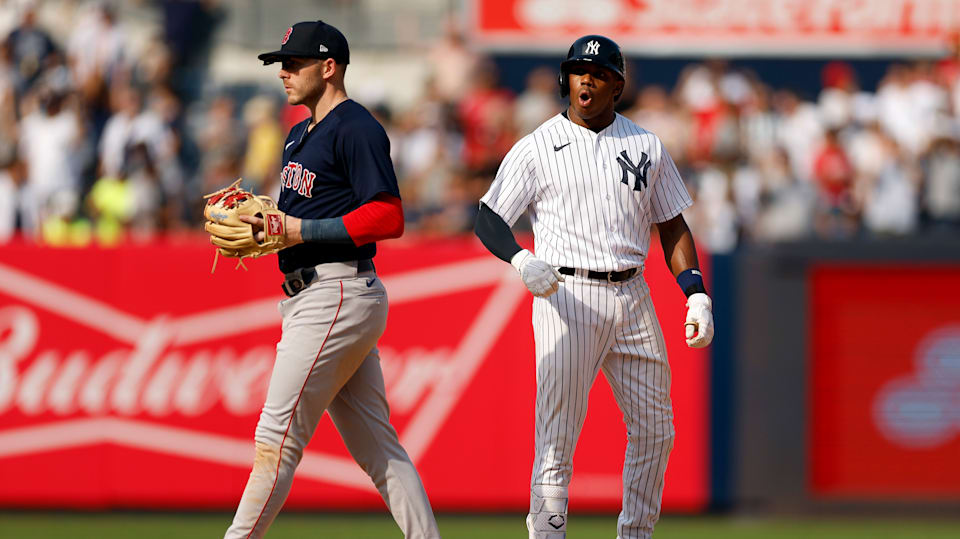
{"x": 130, "y": 377}
{"x": 152, "y": 372}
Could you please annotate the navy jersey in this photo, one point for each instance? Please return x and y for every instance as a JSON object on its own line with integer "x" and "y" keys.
{"x": 329, "y": 171}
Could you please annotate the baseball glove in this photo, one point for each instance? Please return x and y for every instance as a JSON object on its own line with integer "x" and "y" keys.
{"x": 235, "y": 238}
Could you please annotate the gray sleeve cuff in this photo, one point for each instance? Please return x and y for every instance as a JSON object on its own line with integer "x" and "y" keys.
{"x": 325, "y": 231}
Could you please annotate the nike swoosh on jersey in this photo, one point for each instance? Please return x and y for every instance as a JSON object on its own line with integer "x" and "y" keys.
{"x": 558, "y": 148}
{"x": 371, "y": 281}
{"x": 288, "y": 144}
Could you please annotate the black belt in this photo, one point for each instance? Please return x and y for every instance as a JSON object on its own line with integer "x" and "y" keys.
{"x": 295, "y": 281}
{"x": 609, "y": 276}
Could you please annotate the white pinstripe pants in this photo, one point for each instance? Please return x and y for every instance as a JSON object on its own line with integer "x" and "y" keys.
{"x": 590, "y": 325}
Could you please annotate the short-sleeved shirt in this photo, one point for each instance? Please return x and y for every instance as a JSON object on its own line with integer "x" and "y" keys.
{"x": 329, "y": 171}
{"x": 592, "y": 196}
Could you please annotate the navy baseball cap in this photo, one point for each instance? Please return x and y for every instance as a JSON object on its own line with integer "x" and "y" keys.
{"x": 310, "y": 39}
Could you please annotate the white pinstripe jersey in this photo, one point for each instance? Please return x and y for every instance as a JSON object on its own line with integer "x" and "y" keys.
{"x": 592, "y": 196}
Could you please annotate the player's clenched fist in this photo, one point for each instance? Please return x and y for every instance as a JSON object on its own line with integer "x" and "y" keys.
{"x": 541, "y": 278}
{"x": 699, "y": 324}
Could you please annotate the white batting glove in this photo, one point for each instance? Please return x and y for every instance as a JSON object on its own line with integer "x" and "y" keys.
{"x": 541, "y": 278}
{"x": 699, "y": 324}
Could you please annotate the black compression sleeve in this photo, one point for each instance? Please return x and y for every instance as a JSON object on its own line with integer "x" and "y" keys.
{"x": 495, "y": 234}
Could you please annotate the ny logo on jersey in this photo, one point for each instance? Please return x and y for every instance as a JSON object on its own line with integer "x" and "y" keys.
{"x": 593, "y": 47}
{"x": 639, "y": 171}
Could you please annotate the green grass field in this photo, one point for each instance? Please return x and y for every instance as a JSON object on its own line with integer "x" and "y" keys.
{"x": 33, "y": 525}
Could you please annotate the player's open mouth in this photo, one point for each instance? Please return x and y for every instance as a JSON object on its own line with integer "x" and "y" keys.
{"x": 585, "y": 98}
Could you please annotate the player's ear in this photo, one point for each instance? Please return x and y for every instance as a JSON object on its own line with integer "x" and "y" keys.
{"x": 616, "y": 96}
{"x": 329, "y": 68}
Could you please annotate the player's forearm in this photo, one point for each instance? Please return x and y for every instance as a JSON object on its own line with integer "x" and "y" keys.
{"x": 680, "y": 253}
{"x": 379, "y": 219}
{"x": 495, "y": 234}
{"x": 683, "y": 255}
{"x": 319, "y": 231}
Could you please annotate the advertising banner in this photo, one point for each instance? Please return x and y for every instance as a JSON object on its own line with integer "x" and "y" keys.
{"x": 743, "y": 27}
{"x": 133, "y": 377}
{"x": 885, "y": 382}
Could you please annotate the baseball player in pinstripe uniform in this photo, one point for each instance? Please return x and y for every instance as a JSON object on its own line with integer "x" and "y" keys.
{"x": 594, "y": 182}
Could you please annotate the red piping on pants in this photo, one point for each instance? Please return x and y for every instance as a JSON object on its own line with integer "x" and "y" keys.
{"x": 280, "y": 453}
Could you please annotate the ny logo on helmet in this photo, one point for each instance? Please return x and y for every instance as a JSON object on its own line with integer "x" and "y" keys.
{"x": 593, "y": 47}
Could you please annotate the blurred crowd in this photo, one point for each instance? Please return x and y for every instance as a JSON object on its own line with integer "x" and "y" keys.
{"x": 98, "y": 145}
{"x": 766, "y": 165}
{"x": 101, "y": 146}
{"x": 763, "y": 164}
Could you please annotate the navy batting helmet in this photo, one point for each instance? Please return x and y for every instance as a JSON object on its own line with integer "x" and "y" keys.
{"x": 599, "y": 50}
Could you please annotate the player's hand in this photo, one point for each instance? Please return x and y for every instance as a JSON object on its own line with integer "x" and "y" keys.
{"x": 541, "y": 278}
{"x": 291, "y": 231}
{"x": 699, "y": 324}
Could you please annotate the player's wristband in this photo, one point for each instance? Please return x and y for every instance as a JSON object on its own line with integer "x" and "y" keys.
{"x": 324, "y": 231}
{"x": 691, "y": 282}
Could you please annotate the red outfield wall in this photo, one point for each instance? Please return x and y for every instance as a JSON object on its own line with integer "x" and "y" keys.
{"x": 133, "y": 377}
{"x": 885, "y": 384}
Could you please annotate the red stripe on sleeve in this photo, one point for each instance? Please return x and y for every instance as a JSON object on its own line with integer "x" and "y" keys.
{"x": 379, "y": 219}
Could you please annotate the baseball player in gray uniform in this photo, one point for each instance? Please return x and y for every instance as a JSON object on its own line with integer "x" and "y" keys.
{"x": 594, "y": 183}
{"x": 339, "y": 195}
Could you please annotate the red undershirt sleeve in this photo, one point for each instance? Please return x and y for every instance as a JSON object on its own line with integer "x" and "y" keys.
{"x": 379, "y": 219}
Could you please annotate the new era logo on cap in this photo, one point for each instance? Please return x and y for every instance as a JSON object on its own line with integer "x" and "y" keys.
{"x": 286, "y": 36}
{"x": 323, "y": 48}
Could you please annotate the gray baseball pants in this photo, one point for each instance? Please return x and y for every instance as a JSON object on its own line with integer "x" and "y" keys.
{"x": 327, "y": 360}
